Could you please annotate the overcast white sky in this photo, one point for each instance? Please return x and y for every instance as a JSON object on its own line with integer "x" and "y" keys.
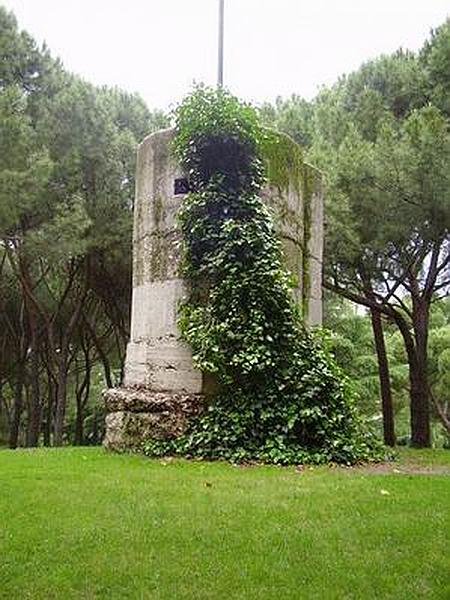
{"x": 272, "y": 47}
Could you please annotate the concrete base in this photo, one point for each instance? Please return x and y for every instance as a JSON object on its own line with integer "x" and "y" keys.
{"x": 136, "y": 414}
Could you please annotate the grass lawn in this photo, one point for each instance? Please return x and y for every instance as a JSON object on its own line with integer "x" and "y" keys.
{"x": 82, "y": 523}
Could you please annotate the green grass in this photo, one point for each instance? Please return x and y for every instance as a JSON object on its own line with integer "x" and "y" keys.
{"x": 81, "y": 523}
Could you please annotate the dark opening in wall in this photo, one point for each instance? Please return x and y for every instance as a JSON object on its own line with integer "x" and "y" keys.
{"x": 181, "y": 186}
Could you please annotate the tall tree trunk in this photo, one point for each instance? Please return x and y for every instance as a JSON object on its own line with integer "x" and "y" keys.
{"x": 47, "y": 425}
{"x": 420, "y": 412}
{"x": 61, "y": 397}
{"x": 4, "y": 409}
{"x": 419, "y": 404}
{"x": 385, "y": 383}
{"x": 34, "y": 412}
{"x": 82, "y": 397}
{"x": 17, "y": 408}
{"x": 102, "y": 354}
{"x": 78, "y": 437}
{"x": 17, "y": 411}
{"x": 51, "y": 389}
{"x": 420, "y": 401}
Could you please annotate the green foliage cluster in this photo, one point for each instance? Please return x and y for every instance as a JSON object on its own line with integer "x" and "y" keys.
{"x": 281, "y": 398}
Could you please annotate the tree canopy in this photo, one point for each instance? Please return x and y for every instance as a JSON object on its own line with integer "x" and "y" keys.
{"x": 66, "y": 196}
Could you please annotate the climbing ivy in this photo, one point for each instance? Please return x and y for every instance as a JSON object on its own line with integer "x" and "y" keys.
{"x": 281, "y": 398}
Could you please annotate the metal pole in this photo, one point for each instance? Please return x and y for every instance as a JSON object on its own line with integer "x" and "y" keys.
{"x": 220, "y": 66}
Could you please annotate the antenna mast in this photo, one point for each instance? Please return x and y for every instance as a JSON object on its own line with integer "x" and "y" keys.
{"x": 220, "y": 57}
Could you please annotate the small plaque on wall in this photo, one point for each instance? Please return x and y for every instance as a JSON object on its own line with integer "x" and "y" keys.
{"x": 181, "y": 186}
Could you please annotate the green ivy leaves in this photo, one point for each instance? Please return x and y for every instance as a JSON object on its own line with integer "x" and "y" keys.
{"x": 282, "y": 399}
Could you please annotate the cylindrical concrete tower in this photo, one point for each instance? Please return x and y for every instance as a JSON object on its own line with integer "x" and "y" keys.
{"x": 161, "y": 388}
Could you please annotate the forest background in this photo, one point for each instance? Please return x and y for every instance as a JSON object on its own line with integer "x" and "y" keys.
{"x": 67, "y": 161}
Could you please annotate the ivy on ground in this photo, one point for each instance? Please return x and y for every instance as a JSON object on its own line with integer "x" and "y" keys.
{"x": 281, "y": 398}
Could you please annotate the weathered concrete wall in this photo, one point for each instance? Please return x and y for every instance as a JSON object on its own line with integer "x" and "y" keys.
{"x": 314, "y": 307}
{"x": 156, "y": 357}
{"x": 295, "y": 195}
{"x": 158, "y": 361}
{"x": 287, "y": 207}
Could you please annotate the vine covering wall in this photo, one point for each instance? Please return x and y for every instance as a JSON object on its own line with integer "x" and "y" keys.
{"x": 280, "y": 396}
